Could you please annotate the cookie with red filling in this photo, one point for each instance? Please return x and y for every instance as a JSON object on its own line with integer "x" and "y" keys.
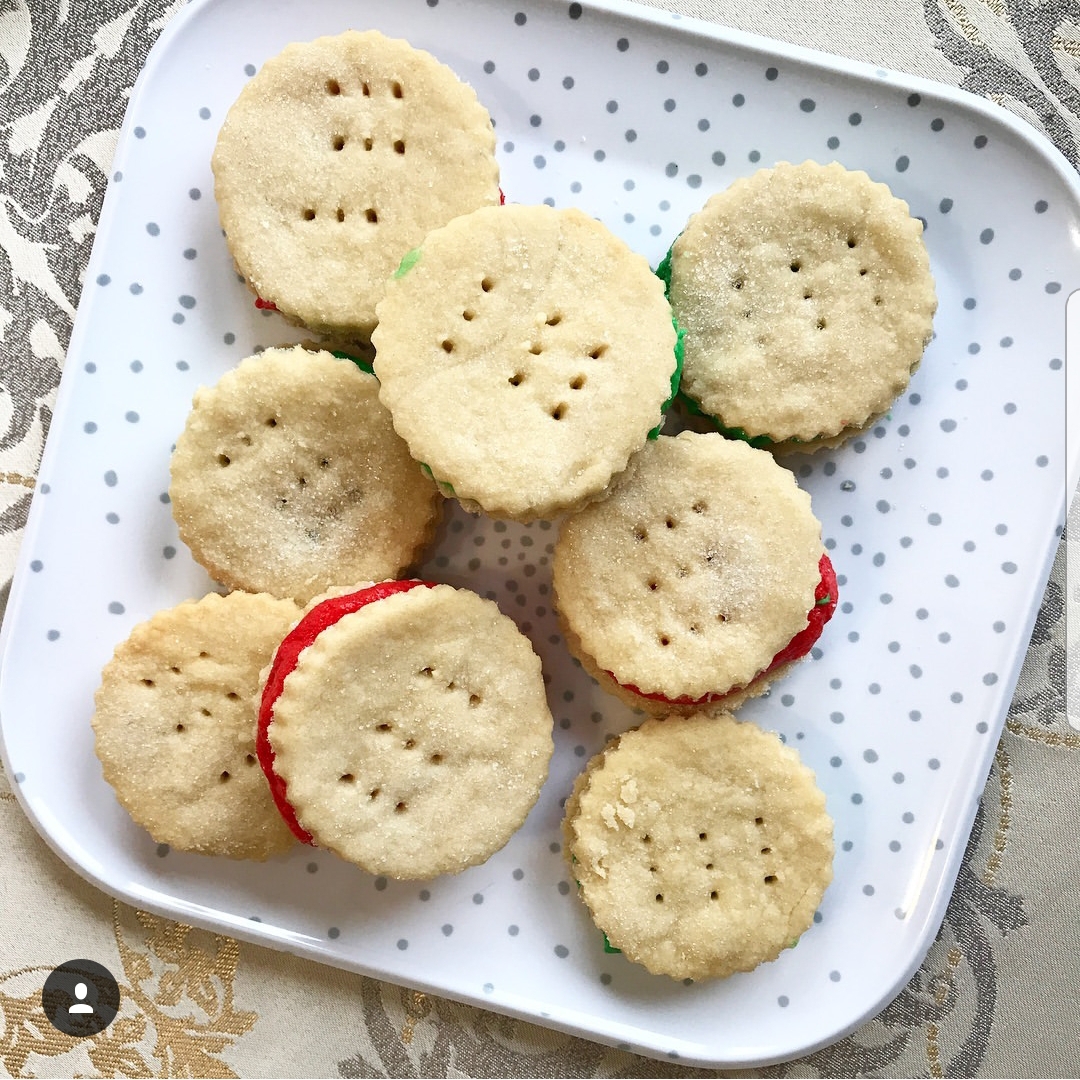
{"x": 405, "y": 727}
{"x": 699, "y": 581}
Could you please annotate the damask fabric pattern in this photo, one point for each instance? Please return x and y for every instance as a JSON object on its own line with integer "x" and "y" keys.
{"x": 995, "y": 996}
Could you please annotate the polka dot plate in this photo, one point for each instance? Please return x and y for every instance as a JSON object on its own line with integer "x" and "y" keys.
{"x": 942, "y": 521}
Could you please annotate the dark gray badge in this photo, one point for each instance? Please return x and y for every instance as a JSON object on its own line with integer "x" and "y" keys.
{"x": 80, "y": 998}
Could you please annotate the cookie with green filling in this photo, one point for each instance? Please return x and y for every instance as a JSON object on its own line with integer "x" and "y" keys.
{"x": 807, "y": 299}
{"x": 288, "y": 478}
{"x": 525, "y": 353}
{"x": 701, "y": 845}
{"x": 336, "y": 158}
{"x": 699, "y": 581}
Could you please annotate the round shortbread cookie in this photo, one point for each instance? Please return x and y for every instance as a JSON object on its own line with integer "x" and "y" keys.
{"x": 701, "y": 845}
{"x": 336, "y": 159}
{"x": 807, "y": 299}
{"x": 174, "y": 725}
{"x": 687, "y": 581}
{"x": 525, "y": 353}
{"x": 414, "y": 734}
{"x": 288, "y": 478}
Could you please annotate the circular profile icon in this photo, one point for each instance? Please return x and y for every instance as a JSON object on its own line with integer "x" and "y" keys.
{"x": 80, "y": 998}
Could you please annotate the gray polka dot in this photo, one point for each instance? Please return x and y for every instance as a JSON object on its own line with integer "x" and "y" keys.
{"x": 1009, "y": 567}
{"x": 832, "y": 142}
{"x": 52, "y": 635}
{"x": 489, "y": 66}
{"x": 139, "y": 133}
{"x": 898, "y": 777}
{"x": 986, "y": 236}
{"x": 562, "y": 952}
{"x": 116, "y": 608}
{"x": 533, "y": 74}
{"x": 782, "y": 1001}
{"x": 402, "y": 944}
{"x": 902, "y": 163}
{"x": 512, "y": 930}
{"x": 980, "y": 141}
{"x": 168, "y": 551}
{"x": 916, "y": 671}
{"x": 478, "y": 898}
{"x": 807, "y": 105}
{"x": 162, "y": 850}
{"x": 671, "y": 169}
{"x": 868, "y": 890}
{"x": 249, "y": 69}
{"x": 870, "y": 756}
{"x": 381, "y": 883}
{"x": 945, "y": 205}
{"x": 948, "y": 425}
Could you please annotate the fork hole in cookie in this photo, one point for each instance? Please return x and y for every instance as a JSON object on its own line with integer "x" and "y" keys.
{"x": 365, "y": 89}
{"x": 399, "y": 146}
{"x": 766, "y": 851}
{"x": 427, "y": 672}
{"x": 409, "y": 744}
{"x": 703, "y": 836}
{"x": 559, "y": 411}
{"x": 796, "y": 266}
{"x": 653, "y": 584}
{"x": 641, "y": 533}
{"x": 664, "y": 640}
{"x": 371, "y": 216}
{"x": 536, "y": 348}
{"x": 577, "y": 382}
{"x": 699, "y": 507}
{"x": 770, "y": 879}
{"x": 384, "y": 727}
{"x": 224, "y": 776}
{"x": 346, "y": 778}
{"x": 852, "y": 241}
{"x": 474, "y": 700}
{"x": 232, "y": 695}
{"x": 669, "y": 522}
{"x": 486, "y": 284}
{"x": 447, "y": 345}
{"x": 659, "y": 898}
{"x": 468, "y": 314}
{"x": 516, "y": 379}
{"x": 223, "y": 460}
{"x": 369, "y": 142}
{"x": 333, "y": 87}
{"x": 400, "y": 808}
{"x": 308, "y": 214}
{"x": 397, "y": 89}
{"x": 759, "y": 821}
{"x": 597, "y": 351}
{"x": 435, "y": 759}
{"x": 821, "y": 324}
{"x": 714, "y": 895}
{"x": 250, "y": 759}
{"x": 554, "y": 319}
{"x": 340, "y": 214}
{"x": 270, "y": 421}
{"x": 738, "y": 282}
{"x": 374, "y": 793}
{"x": 338, "y": 142}
{"x": 179, "y": 727}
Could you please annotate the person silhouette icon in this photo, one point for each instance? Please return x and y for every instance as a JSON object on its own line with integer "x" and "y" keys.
{"x": 80, "y": 1006}
{"x": 80, "y": 998}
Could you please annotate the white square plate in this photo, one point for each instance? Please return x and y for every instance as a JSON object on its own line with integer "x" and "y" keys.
{"x": 942, "y": 522}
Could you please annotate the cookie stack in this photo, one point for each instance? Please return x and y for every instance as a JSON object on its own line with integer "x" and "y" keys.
{"x": 524, "y": 361}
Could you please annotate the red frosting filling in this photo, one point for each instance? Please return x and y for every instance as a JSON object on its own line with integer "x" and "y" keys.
{"x": 798, "y": 646}
{"x": 265, "y": 305}
{"x": 285, "y": 659}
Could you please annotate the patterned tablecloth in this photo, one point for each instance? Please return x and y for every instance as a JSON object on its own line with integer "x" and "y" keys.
{"x": 998, "y": 993}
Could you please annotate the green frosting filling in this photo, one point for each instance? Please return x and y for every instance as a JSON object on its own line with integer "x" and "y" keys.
{"x": 676, "y": 376}
{"x": 608, "y": 947}
{"x": 363, "y": 365}
{"x": 444, "y": 487}
{"x": 408, "y": 261}
{"x": 663, "y": 271}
